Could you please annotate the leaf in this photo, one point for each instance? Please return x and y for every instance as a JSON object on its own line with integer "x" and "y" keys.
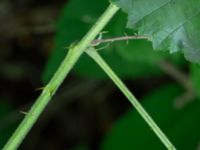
{"x": 170, "y": 24}
{"x": 195, "y": 77}
{"x": 181, "y": 126}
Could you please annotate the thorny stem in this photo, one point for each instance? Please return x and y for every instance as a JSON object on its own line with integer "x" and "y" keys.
{"x": 63, "y": 70}
{"x": 99, "y": 60}
{"x": 123, "y": 38}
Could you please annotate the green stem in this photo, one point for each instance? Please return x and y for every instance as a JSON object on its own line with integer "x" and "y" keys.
{"x": 99, "y": 60}
{"x": 67, "y": 64}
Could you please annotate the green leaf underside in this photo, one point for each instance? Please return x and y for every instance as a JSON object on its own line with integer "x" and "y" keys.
{"x": 170, "y": 24}
{"x": 135, "y": 59}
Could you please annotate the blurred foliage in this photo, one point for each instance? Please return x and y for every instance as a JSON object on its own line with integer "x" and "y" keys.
{"x": 181, "y": 126}
{"x": 6, "y": 128}
{"x": 131, "y": 60}
{"x": 195, "y": 76}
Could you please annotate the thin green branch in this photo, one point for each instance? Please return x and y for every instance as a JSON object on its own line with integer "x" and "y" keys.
{"x": 67, "y": 64}
{"x": 99, "y": 60}
{"x": 122, "y": 38}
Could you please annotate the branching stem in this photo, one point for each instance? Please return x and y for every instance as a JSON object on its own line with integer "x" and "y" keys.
{"x": 63, "y": 70}
{"x": 71, "y": 58}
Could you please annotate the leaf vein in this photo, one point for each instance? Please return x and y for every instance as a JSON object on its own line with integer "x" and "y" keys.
{"x": 154, "y": 10}
{"x": 176, "y": 28}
